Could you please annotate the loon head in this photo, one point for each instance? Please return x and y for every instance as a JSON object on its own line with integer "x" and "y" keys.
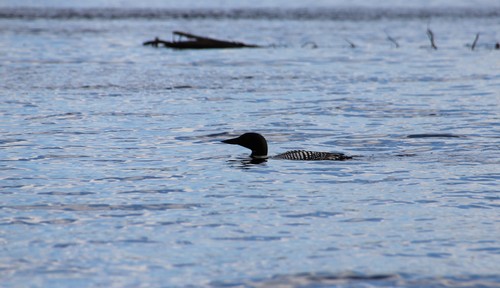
{"x": 253, "y": 141}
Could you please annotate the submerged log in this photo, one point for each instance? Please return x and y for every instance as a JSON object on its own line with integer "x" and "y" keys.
{"x": 191, "y": 41}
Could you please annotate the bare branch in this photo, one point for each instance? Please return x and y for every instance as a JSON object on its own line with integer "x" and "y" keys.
{"x": 393, "y": 40}
{"x": 475, "y": 42}
{"x": 350, "y": 43}
{"x": 430, "y": 34}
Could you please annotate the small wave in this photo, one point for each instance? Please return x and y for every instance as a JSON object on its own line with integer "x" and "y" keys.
{"x": 356, "y": 220}
{"x": 351, "y": 279}
{"x": 36, "y": 221}
{"x": 142, "y": 240}
{"x": 101, "y": 207}
{"x": 433, "y": 135}
{"x": 250, "y": 238}
{"x": 203, "y": 137}
{"x": 314, "y": 280}
{"x": 317, "y": 214}
{"x": 82, "y": 193}
{"x": 180, "y": 87}
{"x": 49, "y": 156}
{"x": 10, "y": 141}
{"x": 129, "y": 178}
{"x": 152, "y": 191}
{"x": 60, "y": 116}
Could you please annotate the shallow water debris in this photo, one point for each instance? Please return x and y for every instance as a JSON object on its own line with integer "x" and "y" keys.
{"x": 190, "y": 41}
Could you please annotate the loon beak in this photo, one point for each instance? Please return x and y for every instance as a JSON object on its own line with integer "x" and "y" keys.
{"x": 231, "y": 141}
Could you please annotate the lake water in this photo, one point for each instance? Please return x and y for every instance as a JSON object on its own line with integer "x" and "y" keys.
{"x": 113, "y": 174}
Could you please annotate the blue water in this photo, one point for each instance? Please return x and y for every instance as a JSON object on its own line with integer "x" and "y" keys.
{"x": 113, "y": 174}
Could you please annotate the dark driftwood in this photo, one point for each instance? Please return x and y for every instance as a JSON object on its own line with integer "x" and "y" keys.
{"x": 191, "y": 41}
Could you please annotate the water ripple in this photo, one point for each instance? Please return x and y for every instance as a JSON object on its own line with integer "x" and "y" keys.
{"x": 350, "y": 279}
{"x": 323, "y": 13}
{"x": 319, "y": 214}
{"x": 250, "y": 238}
{"x": 101, "y": 207}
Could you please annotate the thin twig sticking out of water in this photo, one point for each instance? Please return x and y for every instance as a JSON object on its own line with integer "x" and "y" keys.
{"x": 350, "y": 43}
{"x": 393, "y": 40}
{"x": 430, "y": 34}
{"x": 475, "y": 42}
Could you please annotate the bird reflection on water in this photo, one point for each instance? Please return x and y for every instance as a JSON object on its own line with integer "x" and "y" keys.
{"x": 246, "y": 163}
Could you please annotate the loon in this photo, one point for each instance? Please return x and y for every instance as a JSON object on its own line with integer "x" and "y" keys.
{"x": 258, "y": 144}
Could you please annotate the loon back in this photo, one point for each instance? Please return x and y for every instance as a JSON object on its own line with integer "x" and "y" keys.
{"x": 258, "y": 144}
{"x": 311, "y": 155}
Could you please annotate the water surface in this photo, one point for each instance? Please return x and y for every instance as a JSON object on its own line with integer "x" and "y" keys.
{"x": 113, "y": 173}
